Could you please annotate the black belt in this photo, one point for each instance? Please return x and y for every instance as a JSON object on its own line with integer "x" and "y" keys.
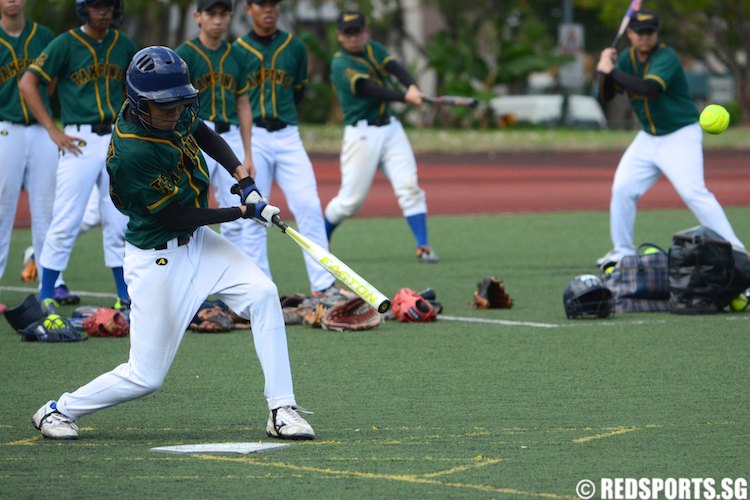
{"x": 181, "y": 240}
{"x": 380, "y": 121}
{"x": 102, "y": 128}
{"x": 221, "y": 127}
{"x": 270, "y": 125}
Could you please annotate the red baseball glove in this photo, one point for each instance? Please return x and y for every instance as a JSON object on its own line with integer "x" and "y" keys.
{"x": 408, "y": 306}
{"x": 106, "y": 322}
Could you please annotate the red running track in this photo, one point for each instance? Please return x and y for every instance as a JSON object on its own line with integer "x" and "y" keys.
{"x": 520, "y": 183}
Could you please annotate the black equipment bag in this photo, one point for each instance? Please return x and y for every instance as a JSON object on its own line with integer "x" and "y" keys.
{"x": 705, "y": 273}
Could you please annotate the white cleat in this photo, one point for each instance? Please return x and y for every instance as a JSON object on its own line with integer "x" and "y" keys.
{"x": 53, "y": 424}
{"x": 286, "y": 423}
{"x": 612, "y": 257}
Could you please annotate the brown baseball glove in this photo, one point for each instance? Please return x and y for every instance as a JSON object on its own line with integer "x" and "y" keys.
{"x": 491, "y": 294}
{"x": 352, "y": 315}
{"x": 212, "y": 319}
{"x": 106, "y": 322}
{"x": 313, "y": 316}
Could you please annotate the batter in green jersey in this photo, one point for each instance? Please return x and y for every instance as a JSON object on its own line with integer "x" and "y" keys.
{"x": 670, "y": 143}
{"x": 89, "y": 66}
{"x": 275, "y": 63}
{"x": 373, "y": 138}
{"x": 27, "y": 155}
{"x": 173, "y": 261}
{"x": 225, "y": 106}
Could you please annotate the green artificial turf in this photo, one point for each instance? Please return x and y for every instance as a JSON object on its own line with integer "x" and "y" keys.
{"x": 518, "y": 403}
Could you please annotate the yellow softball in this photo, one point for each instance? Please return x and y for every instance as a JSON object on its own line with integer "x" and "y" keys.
{"x": 53, "y": 322}
{"x": 739, "y": 303}
{"x": 714, "y": 119}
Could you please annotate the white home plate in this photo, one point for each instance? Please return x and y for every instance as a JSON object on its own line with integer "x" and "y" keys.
{"x": 241, "y": 448}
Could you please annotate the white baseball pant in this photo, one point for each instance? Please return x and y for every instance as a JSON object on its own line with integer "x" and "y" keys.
{"x": 280, "y": 157}
{"x": 679, "y": 157}
{"x": 222, "y": 182}
{"x": 76, "y": 176}
{"x": 28, "y": 157}
{"x": 366, "y": 148}
{"x": 165, "y": 298}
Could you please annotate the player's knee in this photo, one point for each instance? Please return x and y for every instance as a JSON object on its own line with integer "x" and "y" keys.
{"x": 623, "y": 191}
{"x": 145, "y": 386}
{"x": 347, "y": 208}
{"x": 411, "y": 197}
{"x": 266, "y": 288}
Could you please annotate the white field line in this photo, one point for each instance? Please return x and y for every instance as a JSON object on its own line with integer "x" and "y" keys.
{"x": 504, "y": 322}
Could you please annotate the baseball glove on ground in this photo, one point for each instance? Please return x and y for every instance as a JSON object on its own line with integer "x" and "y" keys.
{"x": 352, "y": 315}
{"x": 313, "y": 316}
{"x": 491, "y": 294}
{"x": 106, "y": 322}
{"x": 53, "y": 328}
{"x": 212, "y": 319}
{"x": 408, "y": 306}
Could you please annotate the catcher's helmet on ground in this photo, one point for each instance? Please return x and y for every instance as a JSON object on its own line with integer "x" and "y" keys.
{"x": 157, "y": 74}
{"x": 586, "y": 297}
{"x": 83, "y": 15}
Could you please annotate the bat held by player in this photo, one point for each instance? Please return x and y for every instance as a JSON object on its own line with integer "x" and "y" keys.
{"x": 338, "y": 269}
{"x": 635, "y": 5}
{"x": 453, "y": 100}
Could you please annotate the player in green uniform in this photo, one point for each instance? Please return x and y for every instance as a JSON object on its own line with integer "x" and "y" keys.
{"x": 159, "y": 179}
{"x": 373, "y": 137}
{"x": 275, "y": 63}
{"x": 27, "y": 155}
{"x": 224, "y": 104}
{"x": 89, "y": 64}
{"x": 670, "y": 143}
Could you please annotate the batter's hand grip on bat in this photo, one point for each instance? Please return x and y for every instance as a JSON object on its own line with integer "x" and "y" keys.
{"x": 279, "y": 223}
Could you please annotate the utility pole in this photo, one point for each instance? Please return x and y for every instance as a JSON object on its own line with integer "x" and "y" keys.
{"x": 567, "y": 11}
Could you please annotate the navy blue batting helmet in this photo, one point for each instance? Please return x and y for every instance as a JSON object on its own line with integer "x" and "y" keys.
{"x": 83, "y": 14}
{"x": 586, "y": 297}
{"x": 159, "y": 75}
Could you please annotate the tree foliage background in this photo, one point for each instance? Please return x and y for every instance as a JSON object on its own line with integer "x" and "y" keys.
{"x": 477, "y": 45}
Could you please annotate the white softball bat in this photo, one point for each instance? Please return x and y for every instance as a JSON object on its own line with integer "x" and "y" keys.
{"x": 337, "y": 268}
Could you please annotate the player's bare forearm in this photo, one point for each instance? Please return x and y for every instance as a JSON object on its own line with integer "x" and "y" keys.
{"x": 245, "y": 114}
{"x": 29, "y": 88}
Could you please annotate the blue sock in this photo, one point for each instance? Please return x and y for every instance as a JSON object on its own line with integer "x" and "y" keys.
{"x": 418, "y": 225}
{"x": 122, "y": 288}
{"x": 329, "y": 228}
{"x": 49, "y": 277}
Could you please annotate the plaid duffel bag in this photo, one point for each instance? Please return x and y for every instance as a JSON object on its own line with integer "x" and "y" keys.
{"x": 640, "y": 283}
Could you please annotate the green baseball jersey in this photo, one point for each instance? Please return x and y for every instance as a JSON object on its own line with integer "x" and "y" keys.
{"x": 273, "y": 72}
{"x": 347, "y": 68}
{"x": 673, "y": 108}
{"x": 218, "y": 77}
{"x": 150, "y": 169}
{"x": 16, "y": 54}
{"x": 90, "y": 74}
